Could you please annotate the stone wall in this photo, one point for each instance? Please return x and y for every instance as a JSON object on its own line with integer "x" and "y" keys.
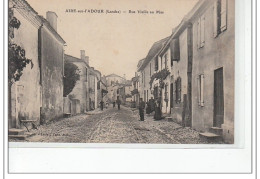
{"x": 52, "y": 75}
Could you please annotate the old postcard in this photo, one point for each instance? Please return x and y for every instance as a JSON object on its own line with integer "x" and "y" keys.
{"x": 119, "y": 71}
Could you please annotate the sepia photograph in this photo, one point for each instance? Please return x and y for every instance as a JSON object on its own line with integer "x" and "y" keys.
{"x": 121, "y": 72}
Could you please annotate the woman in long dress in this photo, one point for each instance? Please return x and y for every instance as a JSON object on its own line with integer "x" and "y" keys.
{"x": 157, "y": 114}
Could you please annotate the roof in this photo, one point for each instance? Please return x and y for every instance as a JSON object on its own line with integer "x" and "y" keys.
{"x": 114, "y": 75}
{"x": 140, "y": 62}
{"x": 43, "y": 20}
{"x": 70, "y": 58}
{"x": 185, "y": 22}
{"x": 136, "y": 78}
{"x": 154, "y": 50}
{"x": 55, "y": 33}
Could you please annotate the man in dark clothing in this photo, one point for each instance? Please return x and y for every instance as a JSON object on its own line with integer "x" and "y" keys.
{"x": 141, "y": 109}
{"x": 118, "y": 103}
{"x": 114, "y": 104}
{"x": 101, "y": 105}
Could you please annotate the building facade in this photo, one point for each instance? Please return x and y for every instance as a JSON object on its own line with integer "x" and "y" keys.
{"x": 80, "y": 91}
{"x": 51, "y": 54}
{"x": 213, "y": 67}
{"x": 25, "y": 94}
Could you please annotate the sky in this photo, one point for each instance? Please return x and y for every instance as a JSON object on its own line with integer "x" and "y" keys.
{"x": 114, "y": 42}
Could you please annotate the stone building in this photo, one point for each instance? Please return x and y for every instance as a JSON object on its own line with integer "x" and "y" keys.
{"x": 151, "y": 65}
{"x": 94, "y": 77}
{"x": 213, "y": 67}
{"x": 51, "y": 58}
{"x": 25, "y": 94}
{"x": 177, "y": 53}
{"x": 80, "y": 91}
{"x": 135, "y": 90}
{"x": 113, "y": 79}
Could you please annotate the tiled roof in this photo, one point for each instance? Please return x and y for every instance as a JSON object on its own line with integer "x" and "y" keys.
{"x": 157, "y": 46}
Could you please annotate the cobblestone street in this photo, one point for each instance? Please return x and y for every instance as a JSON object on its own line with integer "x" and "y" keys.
{"x": 114, "y": 126}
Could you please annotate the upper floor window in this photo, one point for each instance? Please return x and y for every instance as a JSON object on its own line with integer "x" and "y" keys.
{"x": 156, "y": 64}
{"x": 150, "y": 69}
{"x": 201, "y": 32}
{"x": 86, "y": 74}
{"x": 220, "y": 17}
{"x": 166, "y": 59}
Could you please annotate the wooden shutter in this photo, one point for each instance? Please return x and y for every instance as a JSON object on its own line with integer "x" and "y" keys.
{"x": 202, "y": 31}
{"x": 175, "y": 49}
{"x": 198, "y": 34}
{"x": 223, "y": 15}
{"x": 215, "y": 19}
{"x": 198, "y": 79}
{"x": 202, "y": 90}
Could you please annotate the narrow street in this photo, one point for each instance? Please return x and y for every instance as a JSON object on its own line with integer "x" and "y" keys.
{"x": 114, "y": 126}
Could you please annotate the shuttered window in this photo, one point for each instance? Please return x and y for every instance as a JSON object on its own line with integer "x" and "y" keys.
{"x": 220, "y": 17}
{"x": 201, "y": 32}
{"x": 201, "y": 90}
{"x": 178, "y": 90}
{"x": 198, "y": 33}
{"x": 156, "y": 64}
{"x": 223, "y": 15}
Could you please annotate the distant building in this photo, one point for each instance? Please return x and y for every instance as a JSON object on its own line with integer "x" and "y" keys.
{"x": 80, "y": 91}
{"x": 114, "y": 79}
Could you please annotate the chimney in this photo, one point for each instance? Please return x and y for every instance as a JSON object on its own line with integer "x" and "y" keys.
{"x": 52, "y": 19}
{"x": 82, "y": 54}
{"x": 84, "y": 57}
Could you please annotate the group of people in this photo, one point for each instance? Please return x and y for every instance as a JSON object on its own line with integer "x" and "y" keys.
{"x": 102, "y": 103}
{"x": 151, "y": 105}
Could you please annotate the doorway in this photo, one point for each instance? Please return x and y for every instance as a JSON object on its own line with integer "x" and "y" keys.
{"x": 218, "y": 118}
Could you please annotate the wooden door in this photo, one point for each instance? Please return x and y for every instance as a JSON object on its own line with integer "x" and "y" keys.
{"x": 218, "y": 118}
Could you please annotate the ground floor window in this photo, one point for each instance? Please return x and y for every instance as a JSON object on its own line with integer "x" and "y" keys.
{"x": 178, "y": 90}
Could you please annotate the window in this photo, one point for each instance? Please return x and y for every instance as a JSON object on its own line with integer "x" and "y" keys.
{"x": 156, "y": 64}
{"x": 86, "y": 74}
{"x": 220, "y": 17}
{"x": 144, "y": 78}
{"x": 200, "y": 90}
{"x": 166, "y": 59}
{"x": 166, "y": 92}
{"x": 178, "y": 90}
{"x": 201, "y": 32}
{"x": 150, "y": 69}
{"x": 98, "y": 85}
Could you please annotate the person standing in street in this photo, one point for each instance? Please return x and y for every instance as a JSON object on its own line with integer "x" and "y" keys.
{"x": 118, "y": 101}
{"x": 158, "y": 113}
{"x": 141, "y": 109}
{"x": 114, "y": 104}
{"x": 101, "y": 105}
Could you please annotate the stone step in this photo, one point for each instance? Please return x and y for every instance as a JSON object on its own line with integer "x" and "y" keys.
{"x": 20, "y": 137}
{"x": 14, "y": 131}
{"x": 210, "y": 136}
{"x": 169, "y": 119}
{"x": 66, "y": 115}
{"x": 216, "y": 130}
